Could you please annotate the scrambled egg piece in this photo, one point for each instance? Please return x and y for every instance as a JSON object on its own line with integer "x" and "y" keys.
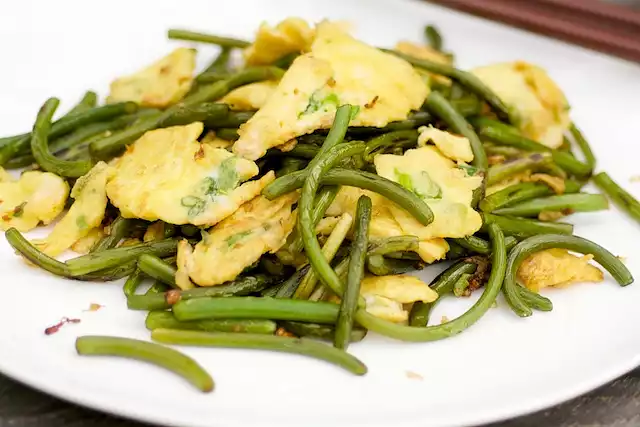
{"x": 338, "y": 70}
{"x": 452, "y": 146}
{"x": 168, "y": 175}
{"x": 132, "y": 241}
{"x": 287, "y": 146}
{"x": 326, "y": 225}
{"x": 5, "y": 176}
{"x": 156, "y": 231}
{"x": 213, "y": 141}
{"x": 550, "y": 216}
{"x": 183, "y": 262}
{"x": 558, "y": 268}
{"x": 259, "y": 226}
{"x": 538, "y": 106}
{"x": 289, "y": 36}
{"x": 425, "y": 52}
{"x": 34, "y": 198}
{"x": 383, "y": 224}
{"x": 159, "y": 85}
{"x": 556, "y": 183}
{"x": 385, "y": 295}
{"x": 250, "y": 97}
{"x": 512, "y": 180}
{"x": 86, "y": 213}
{"x": 84, "y": 244}
{"x": 443, "y": 185}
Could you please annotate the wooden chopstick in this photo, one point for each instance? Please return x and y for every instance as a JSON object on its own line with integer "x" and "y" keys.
{"x": 598, "y": 10}
{"x": 608, "y": 28}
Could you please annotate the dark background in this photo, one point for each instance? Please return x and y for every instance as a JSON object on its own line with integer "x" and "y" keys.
{"x": 614, "y": 405}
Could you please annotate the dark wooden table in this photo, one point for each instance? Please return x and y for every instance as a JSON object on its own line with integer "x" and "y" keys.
{"x": 614, "y": 405}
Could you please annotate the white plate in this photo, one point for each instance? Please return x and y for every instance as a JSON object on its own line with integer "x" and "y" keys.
{"x": 502, "y": 367}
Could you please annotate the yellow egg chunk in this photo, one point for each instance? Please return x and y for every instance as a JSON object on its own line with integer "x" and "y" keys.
{"x": 37, "y": 197}
{"x": 425, "y": 52}
{"x": 386, "y": 308}
{"x": 167, "y": 175}
{"x": 401, "y": 288}
{"x": 512, "y": 180}
{"x": 452, "y": 146}
{"x": 432, "y": 250}
{"x": 443, "y": 185}
{"x": 383, "y": 224}
{"x": 159, "y": 85}
{"x": 538, "y": 106}
{"x": 213, "y": 141}
{"x": 156, "y": 231}
{"x": 131, "y": 241}
{"x": 272, "y": 43}
{"x": 557, "y": 184}
{"x": 326, "y": 225}
{"x": 258, "y": 227}
{"x": 86, "y": 213}
{"x": 558, "y": 268}
{"x": 4, "y": 175}
{"x": 287, "y": 146}
{"x": 250, "y": 97}
{"x": 385, "y": 295}
{"x": 84, "y": 244}
{"x": 183, "y": 261}
{"x": 338, "y": 70}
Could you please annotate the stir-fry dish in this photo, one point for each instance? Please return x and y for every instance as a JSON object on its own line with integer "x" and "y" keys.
{"x": 282, "y": 196}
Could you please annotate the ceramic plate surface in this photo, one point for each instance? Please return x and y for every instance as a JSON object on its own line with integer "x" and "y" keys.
{"x": 503, "y": 366}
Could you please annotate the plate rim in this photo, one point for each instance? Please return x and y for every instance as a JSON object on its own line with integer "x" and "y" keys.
{"x": 25, "y": 376}
{"x": 128, "y": 412}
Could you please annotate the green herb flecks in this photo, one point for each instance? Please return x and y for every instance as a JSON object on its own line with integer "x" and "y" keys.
{"x": 195, "y": 204}
{"x": 470, "y": 170}
{"x": 228, "y": 176}
{"x": 19, "y": 210}
{"x": 226, "y": 181}
{"x": 422, "y": 184}
{"x": 210, "y": 188}
{"x": 237, "y": 238}
{"x": 404, "y": 179}
{"x": 327, "y": 103}
{"x": 81, "y": 222}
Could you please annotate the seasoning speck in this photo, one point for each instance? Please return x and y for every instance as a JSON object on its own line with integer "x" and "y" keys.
{"x": 372, "y": 103}
{"x": 94, "y": 307}
{"x": 199, "y": 154}
{"x": 444, "y": 319}
{"x": 172, "y": 297}
{"x": 282, "y": 332}
{"x": 55, "y": 328}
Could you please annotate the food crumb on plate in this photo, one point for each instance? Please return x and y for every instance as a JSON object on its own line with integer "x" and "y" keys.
{"x": 94, "y": 307}
{"x": 414, "y": 375}
{"x": 444, "y": 319}
{"x": 55, "y": 328}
